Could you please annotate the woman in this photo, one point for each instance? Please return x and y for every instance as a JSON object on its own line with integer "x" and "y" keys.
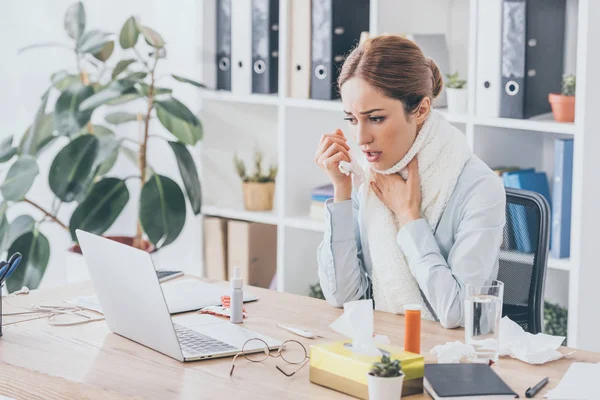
{"x": 429, "y": 216}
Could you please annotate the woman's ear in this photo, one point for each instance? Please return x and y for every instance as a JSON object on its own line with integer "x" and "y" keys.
{"x": 423, "y": 110}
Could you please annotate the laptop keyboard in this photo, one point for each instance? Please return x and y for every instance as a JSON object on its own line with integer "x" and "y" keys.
{"x": 195, "y": 343}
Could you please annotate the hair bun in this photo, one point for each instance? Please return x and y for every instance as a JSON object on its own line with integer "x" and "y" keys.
{"x": 438, "y": 82}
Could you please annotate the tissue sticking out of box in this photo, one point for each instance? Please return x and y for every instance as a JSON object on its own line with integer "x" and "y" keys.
{"x": 356, "y": 323}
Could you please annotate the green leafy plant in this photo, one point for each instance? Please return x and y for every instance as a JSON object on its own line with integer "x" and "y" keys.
{"x": 454, "y": 82}
{"x": 316, "y": 291}
{"x": 386, "y": 368}
{"x": 556, "y": 320}
{"x": 568, "y": 85}
{"x": 79, "y": 171}
{"x": 258, "y": 176}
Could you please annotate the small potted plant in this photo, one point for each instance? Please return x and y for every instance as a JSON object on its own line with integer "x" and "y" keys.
{"x": 385, "y": 379}
{"x": 563, "y": 104}
{"x": 457, "y": 94}
{"x": 258, "y": 188}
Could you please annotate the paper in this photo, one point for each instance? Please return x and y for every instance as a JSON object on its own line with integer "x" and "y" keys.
{"x": 529, "y": 348}
{"x": 357, "y": 323}
{"x": 579, "y": 383}
{"x": 454, "y": 352}
{"x": 358, "y": 175}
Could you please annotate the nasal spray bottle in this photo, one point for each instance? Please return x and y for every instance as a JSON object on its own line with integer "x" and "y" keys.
{"x": 237, "y": 297}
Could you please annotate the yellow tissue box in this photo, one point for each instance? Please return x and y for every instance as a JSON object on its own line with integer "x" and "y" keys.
{"x": 335, "y": 366}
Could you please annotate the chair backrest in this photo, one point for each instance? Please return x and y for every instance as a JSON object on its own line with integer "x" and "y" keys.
{"x": 523, "y": 257}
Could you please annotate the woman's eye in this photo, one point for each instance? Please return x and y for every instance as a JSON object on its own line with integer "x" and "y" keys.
{"x": 376, "y": 120}
{"x": 352, "y": 120}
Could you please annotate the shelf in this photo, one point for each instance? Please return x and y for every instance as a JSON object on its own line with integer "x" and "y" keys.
{"x": 541, "y": 123}
{"x": 222, "y": 95}
{"x": 331, "y": 105}
{"x": 562, "y": 264}
{"x": 453, "y": 118}
{"x": 265, "y": 217}
{"x": 305, "y": 223}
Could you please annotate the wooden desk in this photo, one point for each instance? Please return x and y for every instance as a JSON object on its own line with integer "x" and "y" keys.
{"x": 38, "y": 360}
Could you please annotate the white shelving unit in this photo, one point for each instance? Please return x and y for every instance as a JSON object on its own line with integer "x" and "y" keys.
{"x": 288, "y": 130}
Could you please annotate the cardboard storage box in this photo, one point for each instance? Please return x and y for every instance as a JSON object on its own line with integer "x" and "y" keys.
{"x": 252, "y": 247}
{"x": 335, "y": 366}
{"x": 215, "y": 248}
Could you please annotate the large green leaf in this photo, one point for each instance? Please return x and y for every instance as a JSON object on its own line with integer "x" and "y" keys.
{"x": 71, "y": 169}
{"x": 108, "y": 151}
{"x": 19, "y": 179}
{"x": 93, "y": 41}
{"x": 101, "y": 208}
{"x": 152, "y": 37}
{"x": 75, "y": 20}
{"x": 126, "y": 97}
{"x": 113, "y": 91}
{"x": 37, "y": 130}
{"x": 62, "y": 80}
{"x": 189, "y": 175}
{"x": 120, "y": 117}
{"x": 121, "y": 66}
{"x": 136, "y": 76}
{"x": 179, "y": 120}
{"x": 35, "y": 249}
{"x": 68, "y": 120}
{"x": 186, "y": 80}
{"x": 7, "y": 151}
{"x": 143, "y": 89}
{"x": 20, "y": 225}
{"x": 4, "y": 226}
{"x": 129, "y": 33}
{"x": 106, "y": 51}
{"x": 97, "y": 130}
{"x": 162, "y": 210}
{"x": 33, "y": 144}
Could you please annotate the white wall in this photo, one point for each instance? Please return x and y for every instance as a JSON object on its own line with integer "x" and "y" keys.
{"x": 24, "y": 77}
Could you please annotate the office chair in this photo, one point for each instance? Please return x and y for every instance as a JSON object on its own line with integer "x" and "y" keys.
{"x": 523, "y": 258}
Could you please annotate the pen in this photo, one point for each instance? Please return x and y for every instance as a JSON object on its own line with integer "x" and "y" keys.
{"x": 529, "y": 393}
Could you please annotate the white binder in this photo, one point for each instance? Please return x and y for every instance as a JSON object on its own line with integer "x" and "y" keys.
{"x": 300, "y": 40}
{"x": 489, "y": 52}
{"x": 241, "y": 46}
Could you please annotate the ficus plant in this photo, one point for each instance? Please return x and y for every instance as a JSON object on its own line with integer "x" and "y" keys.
{"x": 80, "y": 172}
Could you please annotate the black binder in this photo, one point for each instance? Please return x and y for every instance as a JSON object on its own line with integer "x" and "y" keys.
{"x": 224, "y": 44}
{"x": 533, "y": 36}
{"x": 265, "y": 46}
{"x": 336, "y": 28}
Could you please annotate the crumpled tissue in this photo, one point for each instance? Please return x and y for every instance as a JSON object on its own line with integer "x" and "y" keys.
{"x": 527, "y": 347}
{"x": 357, "y": 323}
{"x": 513, "y": 342}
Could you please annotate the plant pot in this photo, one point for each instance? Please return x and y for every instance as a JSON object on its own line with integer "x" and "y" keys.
{"x": 384, "y": 388}
{"x": 457, "y": 100}
{"x": 563, "y": 107}
{"x": 258, "y": 196}
{"x": 76, "y": 268}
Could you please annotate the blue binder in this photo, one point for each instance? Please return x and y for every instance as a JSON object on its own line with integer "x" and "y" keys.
{"x": 521, "y": 224}
{"x": 560, "y": 241}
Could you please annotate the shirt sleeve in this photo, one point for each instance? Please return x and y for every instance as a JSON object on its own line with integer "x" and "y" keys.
{"x": 341, "y": 270}
{"x": 473, "y": 256}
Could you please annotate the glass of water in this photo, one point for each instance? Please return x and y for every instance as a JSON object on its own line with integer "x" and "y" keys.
{"x": 483, "y": 311}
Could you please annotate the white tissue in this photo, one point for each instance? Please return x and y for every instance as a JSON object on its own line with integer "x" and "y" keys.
{"x": 454, "y": 352}
{"x": 524, "y": 346}
{"x": 357, "y": 323}
{"x": 358, "y": 175}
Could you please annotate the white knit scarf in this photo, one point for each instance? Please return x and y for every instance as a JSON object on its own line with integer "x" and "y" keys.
{"x": 442, "y": 151}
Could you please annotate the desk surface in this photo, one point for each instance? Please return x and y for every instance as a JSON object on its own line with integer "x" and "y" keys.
{"x": 38, "y": 360}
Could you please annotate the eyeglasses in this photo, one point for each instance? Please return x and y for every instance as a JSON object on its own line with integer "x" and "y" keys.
{"x": 256, "y": 350}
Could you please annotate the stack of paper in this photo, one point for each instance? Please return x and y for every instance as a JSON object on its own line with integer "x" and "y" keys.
{"x": 579, "y": 383}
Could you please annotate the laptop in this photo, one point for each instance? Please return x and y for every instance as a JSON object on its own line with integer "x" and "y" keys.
{"x": 134, "y": 307}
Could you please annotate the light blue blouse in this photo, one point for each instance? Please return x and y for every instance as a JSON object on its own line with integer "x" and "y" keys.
{"x": 464, "y": 246}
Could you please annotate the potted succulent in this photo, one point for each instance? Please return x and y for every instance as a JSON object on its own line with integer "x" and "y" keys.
{"x": 81, "y": 119}
{"x": 563, "y": 104}
{"x": 457, "y": 94}
{"x": 385, "y": 379}
{"x": 258, "y": 188}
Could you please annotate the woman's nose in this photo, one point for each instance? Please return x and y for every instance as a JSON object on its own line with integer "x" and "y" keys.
{"x": 363, "y": 136}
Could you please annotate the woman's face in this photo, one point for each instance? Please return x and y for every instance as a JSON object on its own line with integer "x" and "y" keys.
{"x": 379, "y": 124}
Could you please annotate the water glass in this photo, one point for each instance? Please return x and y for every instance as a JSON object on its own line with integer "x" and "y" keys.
{"x": 483, "y": 311}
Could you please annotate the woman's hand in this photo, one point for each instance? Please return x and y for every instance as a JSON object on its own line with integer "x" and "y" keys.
{"x": 331, "y": 150}
{"x": 403, "y": 198}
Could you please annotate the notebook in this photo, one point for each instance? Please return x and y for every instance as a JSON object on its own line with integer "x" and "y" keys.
{"x": 464, "y": 381}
